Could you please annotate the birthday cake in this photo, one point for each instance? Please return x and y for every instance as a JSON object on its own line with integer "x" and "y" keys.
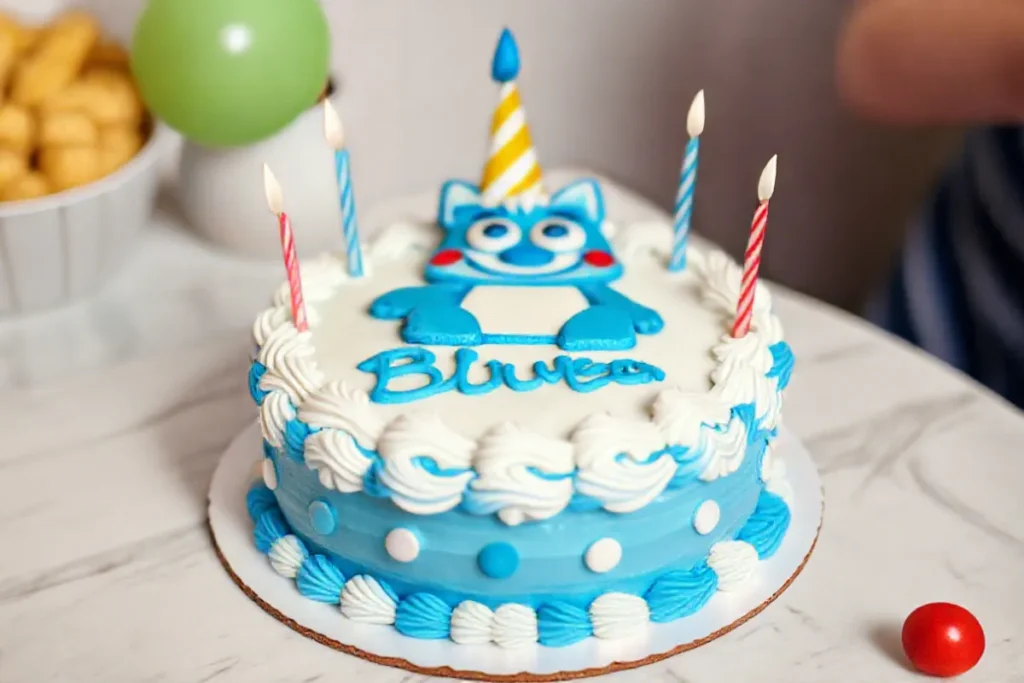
{"x": 518, "y": 424}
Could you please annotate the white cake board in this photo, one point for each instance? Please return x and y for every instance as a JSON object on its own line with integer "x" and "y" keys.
{"x": 232, "y": 535}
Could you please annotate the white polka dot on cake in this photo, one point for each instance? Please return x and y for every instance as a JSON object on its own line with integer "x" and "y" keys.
{"x": 402, "y": 545}
{"x": 706, "y": 518}
{"x": 269, "y": 474}
{"x": 603, "y": 556}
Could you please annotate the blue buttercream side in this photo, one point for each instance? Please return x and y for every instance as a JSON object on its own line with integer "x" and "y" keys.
{"x": 690, "y": 463}
{"x": 766, "y": 528}
{"x": 783, "y": 362}
{"x": 758, "y": 447}
{"x": 259, "y": 500}
{"x": 388, "y": 590}
{"x": 560, "y": 624}
{"x": 270, "y": 528}
{"x": 681, "y": 593}
{"x": 580, "y": 502}
{"x": 268, "y": 450}
{"x": 256, "y": 372}
{"x": 423, "y": 615}
{"x": 295, "y": 433}
{"x": 320, "y": 579}
{"x": 372, "y": 484}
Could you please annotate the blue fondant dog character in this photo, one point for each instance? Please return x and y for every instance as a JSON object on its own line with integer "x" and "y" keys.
{"x": 558, "y": 243}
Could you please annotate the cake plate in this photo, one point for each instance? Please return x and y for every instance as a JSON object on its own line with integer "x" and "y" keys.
{"x": 231, "y": 529}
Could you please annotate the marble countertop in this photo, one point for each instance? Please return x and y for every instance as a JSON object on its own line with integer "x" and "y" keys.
{"x": 115, "y": 412}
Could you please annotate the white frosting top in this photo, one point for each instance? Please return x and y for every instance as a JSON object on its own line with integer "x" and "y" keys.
{"x": 514, "y": 451}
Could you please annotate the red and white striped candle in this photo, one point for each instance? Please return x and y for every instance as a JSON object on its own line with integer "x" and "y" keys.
{"x": 752, "y": 257}
{"x": 275, "y": 200}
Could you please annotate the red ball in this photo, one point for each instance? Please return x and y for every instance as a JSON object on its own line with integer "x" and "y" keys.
{"x": 943, "y": 640}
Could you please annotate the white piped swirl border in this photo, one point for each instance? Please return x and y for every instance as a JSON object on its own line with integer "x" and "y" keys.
{"x": 613, "y": 615}
{"x": 500, "y": 469}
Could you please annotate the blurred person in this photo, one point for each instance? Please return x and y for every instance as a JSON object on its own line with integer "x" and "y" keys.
{"x": 958, "y": 288}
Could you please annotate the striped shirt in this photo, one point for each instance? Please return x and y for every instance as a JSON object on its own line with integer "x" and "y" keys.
{"x": 958, "y": 290}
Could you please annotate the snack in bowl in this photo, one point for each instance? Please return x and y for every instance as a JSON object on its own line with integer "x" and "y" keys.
{"x": 70, "y": 111}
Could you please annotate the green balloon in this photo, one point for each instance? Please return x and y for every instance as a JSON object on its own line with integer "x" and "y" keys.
{"x": 230, "y": 72}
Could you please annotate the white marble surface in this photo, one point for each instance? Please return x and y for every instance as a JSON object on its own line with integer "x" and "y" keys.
{"x": 114, "y": 414}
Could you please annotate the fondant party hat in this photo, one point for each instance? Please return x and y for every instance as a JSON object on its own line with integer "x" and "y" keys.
{"x": 512, "y": 168}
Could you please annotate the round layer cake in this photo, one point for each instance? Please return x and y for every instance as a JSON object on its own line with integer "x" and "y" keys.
{"x": 519, "y": 426}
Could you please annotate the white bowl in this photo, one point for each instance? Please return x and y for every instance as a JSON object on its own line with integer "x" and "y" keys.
{"x": 58, "y": 249}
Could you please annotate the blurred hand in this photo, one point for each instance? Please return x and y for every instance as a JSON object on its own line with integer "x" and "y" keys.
{"x": 935, "y": 61}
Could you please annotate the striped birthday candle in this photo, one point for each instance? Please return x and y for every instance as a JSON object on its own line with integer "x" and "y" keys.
{"x": 752, "y": 257}
{"x": 275, "y": 200}
{"x": 342, "y": 163}
{"x": 687, "y": 185}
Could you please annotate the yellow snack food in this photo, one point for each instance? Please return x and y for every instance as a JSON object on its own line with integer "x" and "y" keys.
{"x": 17, "y": 129}
{"x": 67, "y": 167}
{"x": 108, "y": 97}
{"x": 71, "y": 36}
{"x": 8, "y": 60}
{"x": 23, "y": 37}
{"x": 12, "y": 166}
{"x": 67, "y": 129}
{"x": 72, "y": 114}
{"x": 57, "y": 59}
{"x": 32, "y": 185}
{"x": 118, "y": 145}
{"x": 110, "y": 55}
{"x": 118, "y": 101}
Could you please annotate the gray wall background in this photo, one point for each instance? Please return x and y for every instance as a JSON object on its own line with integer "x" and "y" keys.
{"x": 606, "y": 85}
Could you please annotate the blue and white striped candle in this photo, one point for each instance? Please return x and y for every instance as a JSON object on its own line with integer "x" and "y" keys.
{"x": 687, "y": 184}
{"x": 342, "y": 164}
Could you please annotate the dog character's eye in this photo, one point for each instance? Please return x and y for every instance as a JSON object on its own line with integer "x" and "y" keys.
{"x": 558, "y": 236}
{"x": 493, "y": 235}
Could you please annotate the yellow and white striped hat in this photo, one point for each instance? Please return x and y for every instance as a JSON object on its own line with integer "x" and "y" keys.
{"x": 512, "y": 168}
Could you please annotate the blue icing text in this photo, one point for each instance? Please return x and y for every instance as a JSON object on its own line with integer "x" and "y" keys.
{"x": 557, "y": 243}
{"x": 766, "y": 528}
{"x": 295, "y": 434}
{"x": 579, "y": 374}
